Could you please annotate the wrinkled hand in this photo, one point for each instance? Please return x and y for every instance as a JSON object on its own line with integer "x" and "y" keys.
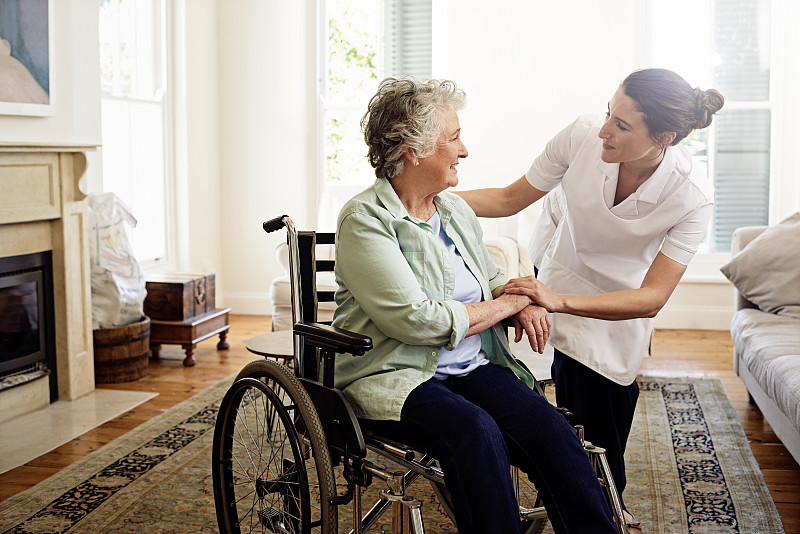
{"x": 535, "y": 290}
{"x": 535, "y": 322}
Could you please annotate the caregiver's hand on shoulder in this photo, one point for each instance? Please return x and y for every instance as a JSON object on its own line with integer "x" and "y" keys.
{"x": 535, "y": 322}
{"x": 536, "y": 291}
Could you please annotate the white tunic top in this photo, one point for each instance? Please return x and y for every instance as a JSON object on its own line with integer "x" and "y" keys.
{"x": 599, "y": 248}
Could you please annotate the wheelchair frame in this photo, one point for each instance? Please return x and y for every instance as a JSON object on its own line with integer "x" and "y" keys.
{"x": 280, "y": 433}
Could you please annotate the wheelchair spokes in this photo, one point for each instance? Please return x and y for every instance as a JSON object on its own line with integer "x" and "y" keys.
{"x": 273, "y": 474}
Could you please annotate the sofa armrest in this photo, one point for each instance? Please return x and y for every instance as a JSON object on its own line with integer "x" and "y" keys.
{"x": 741, "y": 237}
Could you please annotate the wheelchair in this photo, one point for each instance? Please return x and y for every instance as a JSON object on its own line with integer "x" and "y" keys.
{"x": 288, "y": 451}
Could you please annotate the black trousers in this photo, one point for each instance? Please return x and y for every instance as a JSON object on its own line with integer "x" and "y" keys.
{"x": 604, "y": 408}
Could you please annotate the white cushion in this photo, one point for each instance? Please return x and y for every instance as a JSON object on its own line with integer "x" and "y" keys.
{"x": 767, "y": 270}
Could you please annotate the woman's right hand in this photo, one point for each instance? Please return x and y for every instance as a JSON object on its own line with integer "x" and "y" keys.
{"x": 535, "y": 322}
{"x": 535, "y": 290}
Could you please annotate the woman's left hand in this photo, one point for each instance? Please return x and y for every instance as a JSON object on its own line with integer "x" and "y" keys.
{"x": 535, "y": 290}
{"x": 534, "y": 321}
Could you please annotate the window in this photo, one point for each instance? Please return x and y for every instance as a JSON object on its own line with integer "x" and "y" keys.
{"x": 734, "y": 59}
{"x": 363, "y": 43}
{"x": 132, "y": 69}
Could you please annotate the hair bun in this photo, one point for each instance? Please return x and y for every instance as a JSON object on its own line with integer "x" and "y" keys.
{"x": 708, "y": 103}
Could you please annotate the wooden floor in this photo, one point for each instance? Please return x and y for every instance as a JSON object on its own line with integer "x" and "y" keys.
{"x": 675, "y": 353}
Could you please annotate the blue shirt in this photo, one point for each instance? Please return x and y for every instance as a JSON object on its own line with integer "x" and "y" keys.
{"x": 468, "y": 354}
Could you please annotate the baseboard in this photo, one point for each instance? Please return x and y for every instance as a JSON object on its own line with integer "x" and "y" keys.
{"x": 246, "y": 302}
{"x": 695, "y": 317}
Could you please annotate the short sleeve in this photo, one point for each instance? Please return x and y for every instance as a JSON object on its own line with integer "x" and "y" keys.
{"x": 684, "y": 239}
{"x": 549, "y": 167}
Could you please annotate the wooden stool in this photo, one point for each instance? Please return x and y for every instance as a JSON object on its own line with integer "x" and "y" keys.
{"x": 190, "y": 332}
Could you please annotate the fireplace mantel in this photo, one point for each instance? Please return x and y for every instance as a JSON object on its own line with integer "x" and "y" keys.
{"x": 41, "y": 209}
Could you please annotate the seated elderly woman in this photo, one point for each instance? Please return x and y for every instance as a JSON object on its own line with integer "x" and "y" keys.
{"x": 414, "y": 275}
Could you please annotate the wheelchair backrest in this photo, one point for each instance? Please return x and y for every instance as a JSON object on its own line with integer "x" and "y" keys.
{"x": 338, "y": 420}
{"x": 315, "y": 344}
{"x": 309, "y": 297}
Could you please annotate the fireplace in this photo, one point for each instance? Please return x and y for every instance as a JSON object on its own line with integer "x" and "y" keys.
{"x": 27, "y": 325}
{"x": 42, "y": 215}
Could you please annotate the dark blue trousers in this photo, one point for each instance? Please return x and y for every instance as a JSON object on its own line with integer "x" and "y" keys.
{"x": 604, "y": 408}
{"x": 480, "y": 424}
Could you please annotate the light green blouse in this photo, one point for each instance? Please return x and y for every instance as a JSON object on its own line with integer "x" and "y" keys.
{"x": 396, "y": 285}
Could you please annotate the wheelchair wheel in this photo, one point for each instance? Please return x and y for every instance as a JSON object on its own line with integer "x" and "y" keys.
{"x": 272, "y": 469}
{"x": 530, "y": 504}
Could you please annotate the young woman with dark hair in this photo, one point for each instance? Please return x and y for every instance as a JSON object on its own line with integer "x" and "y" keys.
{"x": 633, "y": 207}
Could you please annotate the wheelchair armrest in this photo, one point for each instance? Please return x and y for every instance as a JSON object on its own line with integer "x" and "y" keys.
{"x": 337, "y": 339}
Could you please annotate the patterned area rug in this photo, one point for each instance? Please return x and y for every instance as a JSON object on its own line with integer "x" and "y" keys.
{"x": 690, "y": 470}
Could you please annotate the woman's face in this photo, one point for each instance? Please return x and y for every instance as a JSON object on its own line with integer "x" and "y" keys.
{"x": 441, "y": 166}
{"x": 625, "y": 136}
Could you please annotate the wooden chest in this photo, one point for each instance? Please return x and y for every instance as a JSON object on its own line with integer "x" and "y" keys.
{"x": 178, "y": 296}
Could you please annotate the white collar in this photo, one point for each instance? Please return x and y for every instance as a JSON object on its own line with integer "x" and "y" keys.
{"x": 649, "y": 191}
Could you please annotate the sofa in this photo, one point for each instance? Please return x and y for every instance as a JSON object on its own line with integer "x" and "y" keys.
{"x": 765, "y": 271}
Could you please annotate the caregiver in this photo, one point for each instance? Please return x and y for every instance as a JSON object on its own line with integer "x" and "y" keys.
{"x": 636, "y": 207}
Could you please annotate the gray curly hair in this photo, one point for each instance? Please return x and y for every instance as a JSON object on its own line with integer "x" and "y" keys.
{"x": 406, "y": 114}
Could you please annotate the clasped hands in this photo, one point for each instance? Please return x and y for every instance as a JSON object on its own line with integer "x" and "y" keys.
{"x": 534, "y": 319}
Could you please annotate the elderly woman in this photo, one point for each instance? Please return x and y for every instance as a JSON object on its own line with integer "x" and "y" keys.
{"x": 413, "y": 274}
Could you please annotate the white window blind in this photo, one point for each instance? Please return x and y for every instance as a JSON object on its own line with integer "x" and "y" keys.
{"x": 408, "y": 37}
{"x": 742, "y": 151}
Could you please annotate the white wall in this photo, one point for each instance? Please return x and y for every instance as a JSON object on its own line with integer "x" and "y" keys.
{"x": 199, "y": 207}
{"x": 786, "y": 167}
{"x": 263, "y": 135}
{"x": 529, "y": 69}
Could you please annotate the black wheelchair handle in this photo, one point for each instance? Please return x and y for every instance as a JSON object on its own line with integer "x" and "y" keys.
{"x": 275, "y": 224}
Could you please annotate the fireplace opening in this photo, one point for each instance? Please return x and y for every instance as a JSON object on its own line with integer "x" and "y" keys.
{"x": 27, "y": 324}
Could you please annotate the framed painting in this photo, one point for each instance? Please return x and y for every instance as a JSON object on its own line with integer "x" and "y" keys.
{"x": 26, "y": 57}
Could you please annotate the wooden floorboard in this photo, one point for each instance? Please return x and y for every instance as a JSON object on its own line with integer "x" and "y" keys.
{"x": 695, "y": 353}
